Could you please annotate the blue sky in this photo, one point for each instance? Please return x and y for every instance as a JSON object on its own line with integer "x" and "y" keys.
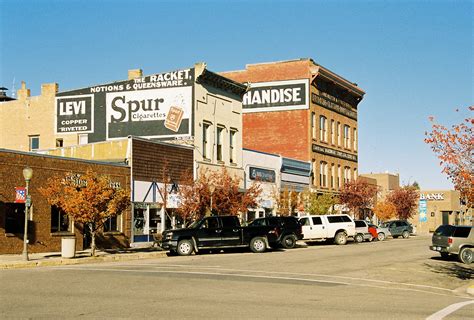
{"x": 414, "y": 59}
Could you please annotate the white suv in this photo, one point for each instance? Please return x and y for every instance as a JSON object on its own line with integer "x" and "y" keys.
{"x": 337, "y": 227}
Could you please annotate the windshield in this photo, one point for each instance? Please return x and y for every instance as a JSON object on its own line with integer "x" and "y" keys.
{"x": 194, "y": 224}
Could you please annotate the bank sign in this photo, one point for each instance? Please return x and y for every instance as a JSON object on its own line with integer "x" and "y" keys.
{"x": 156, "y": 106}
{"x": 276, "y": 96}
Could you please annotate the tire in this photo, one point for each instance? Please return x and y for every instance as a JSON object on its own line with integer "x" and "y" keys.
{"x": 258, "y": 245}
{"x": 185, "y": 247}
{"x": 444, "y": 255}
{"x": 466, "y": 255}
{"x": 289, "y": 241}
{"x": 340, "y": 238}
{"x": 381, "y": 236}
{"x": 405, "y": 234}
{"x": 358, "y": 238}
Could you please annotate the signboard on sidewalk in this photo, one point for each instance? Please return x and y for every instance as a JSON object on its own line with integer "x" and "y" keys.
{"x": 20, "y": 194}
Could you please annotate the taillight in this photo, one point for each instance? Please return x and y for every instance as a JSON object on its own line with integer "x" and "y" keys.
{"x": 450, "y": 240}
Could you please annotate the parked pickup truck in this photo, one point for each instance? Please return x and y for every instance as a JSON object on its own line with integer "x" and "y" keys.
{"x": 219, "y": 232}
{"x": 337, "y": 227}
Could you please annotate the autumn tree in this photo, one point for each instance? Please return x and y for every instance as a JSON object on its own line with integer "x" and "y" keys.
{"x": 454, "y": 147}
{"x": 358, "y": 195}
{"x": 227, "y": 198}
{"x": 385, "y": 210}
{"x": 405, "y": 200}
{"x": 90, "y": 199}
{"x": 318, "y": 203}
{"x": 287, "y": 201}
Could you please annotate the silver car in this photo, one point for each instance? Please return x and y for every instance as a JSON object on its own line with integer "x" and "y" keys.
{"x": 382, "y": 232}
{"x": 457, "y": 240}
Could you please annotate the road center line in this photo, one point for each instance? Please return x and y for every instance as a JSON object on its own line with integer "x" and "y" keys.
{"x": 448, "y": 310}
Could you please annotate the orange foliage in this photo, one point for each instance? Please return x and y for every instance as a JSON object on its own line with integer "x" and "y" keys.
{"x": 227, "y": 199}
{"x": 385, "y": 210}
{"x": 357, "y": 195}
{"x": 405, "y": 201}
{"x": 89, "y": 199}
{"x": 455, "y": 148}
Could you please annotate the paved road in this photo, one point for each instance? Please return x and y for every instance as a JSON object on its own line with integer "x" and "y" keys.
{"x": 394, "y": 279}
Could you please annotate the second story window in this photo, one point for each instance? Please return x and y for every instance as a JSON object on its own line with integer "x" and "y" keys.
{"x": 232, "y": 141}
{"x": 355, "y": 139}
{"x": 313, "y": 125}
{"x": 205, "y": 140}
{"x": 323, "y": 173}
{"x": 347, "y": 136}
{"x": 333, "y": 133}
{"x": 338, "y": 133}
{"x": 323, "y": 133}
{"x": 34, "y": 142}
{"x": 220, "y": 133}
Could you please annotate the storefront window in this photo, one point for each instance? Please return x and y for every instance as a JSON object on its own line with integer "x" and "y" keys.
{"x": 15, "y": 218}
{"x": 59, "y": 220}
{"x": 111, "y": 224}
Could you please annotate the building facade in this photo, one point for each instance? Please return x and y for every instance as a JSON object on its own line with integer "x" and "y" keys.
{"x": 303, "y": 111}
{"x": 194, "y": 107}
{"x": 47, "y": 225}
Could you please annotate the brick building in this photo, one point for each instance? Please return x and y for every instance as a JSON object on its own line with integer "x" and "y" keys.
{"x": 46, "y": 226}
{"x": 301, "y": 110}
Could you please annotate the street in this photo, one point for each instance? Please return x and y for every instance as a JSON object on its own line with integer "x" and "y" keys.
{"x": 393, "y": 279}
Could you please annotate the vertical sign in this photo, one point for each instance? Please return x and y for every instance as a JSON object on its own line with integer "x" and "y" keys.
{"x": 20, "y": 195}
{"x": 422, "y": 210}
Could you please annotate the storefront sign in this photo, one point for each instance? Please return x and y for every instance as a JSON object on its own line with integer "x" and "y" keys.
{"x": 276, "y": 96}
{"x": 334, "y": 153}
{"x": 422, "y": 211}
{"x": 75, "y": 114}
{"x": 156, "y": 106}
{"x": 432, "y": 196}
{"x": 263, "y": 175}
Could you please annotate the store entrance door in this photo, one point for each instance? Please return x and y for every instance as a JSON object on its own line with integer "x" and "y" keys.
{"x": 146, "y": 222}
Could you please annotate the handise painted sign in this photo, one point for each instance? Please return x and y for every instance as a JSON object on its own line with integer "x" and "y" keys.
{"x": 156, "y": 106}
{"x": 276, "y": 96}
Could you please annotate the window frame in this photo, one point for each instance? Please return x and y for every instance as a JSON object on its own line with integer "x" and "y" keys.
{"x": 206, "y": 127}
{"x": 31, "y": 138}
{"x": 220, "y": 143}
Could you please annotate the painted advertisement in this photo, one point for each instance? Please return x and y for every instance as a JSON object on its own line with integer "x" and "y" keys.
{"x": 276, "y": 96}
{"x": 75, "y": 114}
{"x": 422, "y": 210}
{"x": 156, "y": 106}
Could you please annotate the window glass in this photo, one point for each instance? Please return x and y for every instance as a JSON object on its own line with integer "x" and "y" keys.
{"x": 359, "y": 224}
{"x": 83, "y": 138}
{"x": 317, "y": 220}
{"x": 335, "y": 219}
{"x": 229, "y": 222}
{"x": 111, "y": 224}
{"x": 346, "y": 219}
{"x": 205, "y": 140}
{"x": 210, "y": 223}
{"x": 445, "y": 230}
{"x": 15, "y": 218}
{"x": 462, "y": 232}
{"x": 304, "y": 221}
{"x": 258, "y": 222}
{"x": 220, "y": 132}
{"x": 34, "y": 142}
{"x": 232, "y": 157}
{"x": 59, "y": 220}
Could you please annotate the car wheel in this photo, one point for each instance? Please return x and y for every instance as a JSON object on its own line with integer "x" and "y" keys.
{"x": 381, "y": 236}
{"x": 288, "y": 241}
{"x": 466, "y": 255}
{"x": 444, "y": 255}
{"x": 340, "y": 238}
{"x": 358, "y": 238}
{"x": 405, "y": 234}
{"x": 185, "y": 247}
{"x": 258, "y": 245}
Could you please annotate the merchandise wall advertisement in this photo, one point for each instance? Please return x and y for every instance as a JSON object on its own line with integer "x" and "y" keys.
{"x": 276, "y": 96}
{"x": 156, "y": 106}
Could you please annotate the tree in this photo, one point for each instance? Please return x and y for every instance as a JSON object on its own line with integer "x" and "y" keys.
{"x": 227, "y": 198}
{"x": 90, "y": 199}
{"x": 358, "y": 195}
{"x": 405, "y": 200}
{"x": 385, "y": 210}
{"x": 455, "y": 148}
{"x": 318, "y": 203}
{"x": 287, "y": 201}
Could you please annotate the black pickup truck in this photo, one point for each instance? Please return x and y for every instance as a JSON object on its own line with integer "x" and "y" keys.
{"x": 219, "y": 232}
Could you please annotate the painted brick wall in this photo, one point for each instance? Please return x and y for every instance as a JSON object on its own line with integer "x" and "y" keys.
{"x": 282, "y": 132}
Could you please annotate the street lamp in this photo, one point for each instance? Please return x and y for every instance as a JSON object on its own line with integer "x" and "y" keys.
{"x": 27, "y": 174}
{"x": 212, "y": 188}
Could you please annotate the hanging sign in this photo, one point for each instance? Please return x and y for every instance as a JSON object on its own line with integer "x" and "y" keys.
{"x": 20, "y": 195}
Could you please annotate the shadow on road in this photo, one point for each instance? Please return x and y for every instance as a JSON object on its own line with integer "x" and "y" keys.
{"x": 452, "y": 269}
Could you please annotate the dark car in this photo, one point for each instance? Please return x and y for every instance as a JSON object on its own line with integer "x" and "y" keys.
{"x": 289, "y": 229}
{"x": 455, "y": 240}
{"x": 399, "y": 228}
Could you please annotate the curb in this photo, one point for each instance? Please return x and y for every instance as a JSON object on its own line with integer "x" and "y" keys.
{"x": 84, "y": 260}
{"x": 470, "y": 289}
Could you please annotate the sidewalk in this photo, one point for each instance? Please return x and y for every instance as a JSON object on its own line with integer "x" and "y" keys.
{"x": 47, "y": 259}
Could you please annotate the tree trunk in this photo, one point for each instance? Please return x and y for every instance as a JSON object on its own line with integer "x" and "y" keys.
{"x": 91, "y": 226}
